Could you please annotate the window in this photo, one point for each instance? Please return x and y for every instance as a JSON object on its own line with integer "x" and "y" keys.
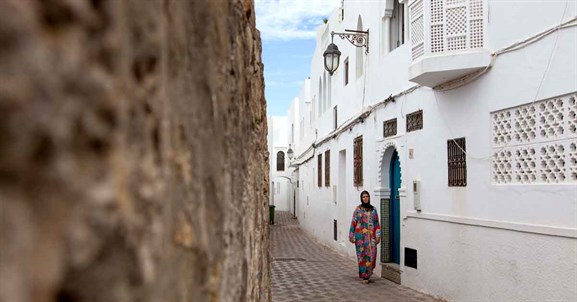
{"x": 359, "y": 51}
{"x": 335, "y": 124}
{"x": 302, "y": 128}
{"x": 328, "y": 168}
{"x": 346, "y": 73}
{"x": 335, "y": 229}
{"x": 448, "y": 25}
{"x": 457, "y": 162}
{"x": 358, "y": 161}
{"x": 320, "y": 169}
{"x": 415, "y": 121}
{"x": 397, "y": 28}
{"x": 324, "y": 93}
{"x": 280, "y": 161}
{"x": 320, "y": 101}
{"x": 329, "y": 91}
{"x": 292, "y": 133}
{"x": 312, "y": 113}
{"x": 390, "y": 128}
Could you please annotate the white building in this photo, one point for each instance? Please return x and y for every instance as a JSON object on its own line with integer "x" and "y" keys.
{"x": 464, "y": 130}
{"x": 278, "y": 145}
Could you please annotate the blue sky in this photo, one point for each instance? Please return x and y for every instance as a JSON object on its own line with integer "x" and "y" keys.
{"x": 288, "y": 36}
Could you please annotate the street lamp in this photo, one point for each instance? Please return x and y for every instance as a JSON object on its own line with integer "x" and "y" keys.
{"x": 290, "y": 153}
{"x": 332, "y": 55}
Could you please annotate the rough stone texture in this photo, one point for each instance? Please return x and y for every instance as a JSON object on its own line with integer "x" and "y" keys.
{"x": 133, "y": 163}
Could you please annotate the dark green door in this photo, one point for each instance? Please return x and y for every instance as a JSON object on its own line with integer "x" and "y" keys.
{"x": 395, "y": 221}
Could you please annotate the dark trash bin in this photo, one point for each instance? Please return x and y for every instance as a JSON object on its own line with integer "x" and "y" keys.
{"x": 271, "y": 213}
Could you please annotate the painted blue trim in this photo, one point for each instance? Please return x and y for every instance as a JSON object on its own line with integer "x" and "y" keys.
{"x": 395, "y": 223}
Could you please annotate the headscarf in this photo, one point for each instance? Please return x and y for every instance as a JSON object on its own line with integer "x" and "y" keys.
{"x": 367, "y": 205}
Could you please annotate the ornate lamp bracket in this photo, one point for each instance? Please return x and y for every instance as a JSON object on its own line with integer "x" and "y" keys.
{"x": 358, "y": 38}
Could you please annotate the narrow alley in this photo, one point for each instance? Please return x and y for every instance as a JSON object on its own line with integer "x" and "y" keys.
{"x": 305, "y": 270}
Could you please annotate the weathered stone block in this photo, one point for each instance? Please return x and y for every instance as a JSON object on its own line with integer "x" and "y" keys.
{"x": 133, "y": 160}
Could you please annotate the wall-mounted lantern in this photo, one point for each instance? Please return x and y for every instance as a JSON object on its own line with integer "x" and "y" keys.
{"x": 290, "y": 153}
{"x": 332, "y": 54}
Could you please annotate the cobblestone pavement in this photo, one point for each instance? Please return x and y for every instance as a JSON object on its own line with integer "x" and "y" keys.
{"x": 305, "y": 270}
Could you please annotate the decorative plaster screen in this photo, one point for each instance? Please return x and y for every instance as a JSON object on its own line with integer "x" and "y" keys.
{"x": 536, "y": 143}
{"x": 448, "y": 25}
{"x": 390, "y": 127}
{"x": 415, "y": 121}
{"x": 417, "y": 28}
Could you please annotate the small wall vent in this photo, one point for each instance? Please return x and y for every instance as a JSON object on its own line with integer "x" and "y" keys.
{"x": 335, "y": 229}
{"x": 411, "y": 257}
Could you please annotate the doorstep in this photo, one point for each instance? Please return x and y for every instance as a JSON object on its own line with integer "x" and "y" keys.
{"x": 391, "y": 271}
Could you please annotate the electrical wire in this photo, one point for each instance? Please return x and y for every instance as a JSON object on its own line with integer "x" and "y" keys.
{"x": 517, "y": 46}
{"x": 351, "y": 122}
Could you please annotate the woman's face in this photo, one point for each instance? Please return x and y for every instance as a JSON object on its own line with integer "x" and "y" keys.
{"x": 365, "y": 198}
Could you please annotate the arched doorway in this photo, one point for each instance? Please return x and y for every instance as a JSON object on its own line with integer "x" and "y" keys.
{"x": 394, "y": 206}
{"x": 390, "y": 182}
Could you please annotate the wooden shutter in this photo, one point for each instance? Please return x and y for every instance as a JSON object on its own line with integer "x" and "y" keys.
{"x": 320, "y": 169}
{"x": 327, "y": 168}
{"x": 358, "y": 161}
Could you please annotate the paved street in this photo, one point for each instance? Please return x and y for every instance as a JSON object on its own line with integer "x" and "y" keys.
{"x": 305, "y": 270}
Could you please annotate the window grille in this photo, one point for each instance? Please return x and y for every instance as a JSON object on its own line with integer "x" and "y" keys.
{"x": 358, "y": 161}
{"x": 415, "y": 121}
{"x": 327, "y": 168}
{"x": 280, "y": 161}
{"x": 457, "y": 162}
{"x": 390, "y": 127}
{"x": 320, "y": 169}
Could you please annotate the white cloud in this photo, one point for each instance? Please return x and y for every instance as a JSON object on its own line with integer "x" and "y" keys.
{"x": 291, "y": 19}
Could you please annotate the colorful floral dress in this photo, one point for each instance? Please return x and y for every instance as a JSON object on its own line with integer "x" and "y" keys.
{"x": 364, "y": 230}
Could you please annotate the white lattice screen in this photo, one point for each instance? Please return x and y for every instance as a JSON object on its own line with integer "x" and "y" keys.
{"x": 448, "y": 25}
{"x": 417, "y": 28}
{"x": 536, "y": 143}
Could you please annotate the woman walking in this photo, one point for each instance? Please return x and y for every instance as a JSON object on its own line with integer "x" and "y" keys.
{"x": 365, "y": 233}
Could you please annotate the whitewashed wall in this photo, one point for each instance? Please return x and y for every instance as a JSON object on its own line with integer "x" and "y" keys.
{"x": 278, "y": 140}
{"x": 485, "y": 241}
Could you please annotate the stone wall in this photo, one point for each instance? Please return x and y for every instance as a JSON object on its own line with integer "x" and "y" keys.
{"x": 133, "y": 163}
